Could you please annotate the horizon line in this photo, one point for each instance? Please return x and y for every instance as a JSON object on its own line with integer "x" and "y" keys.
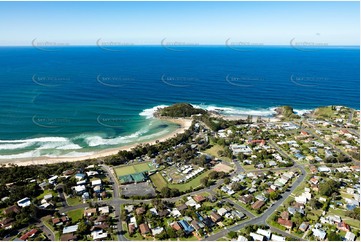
{"x": 190, "y": 45}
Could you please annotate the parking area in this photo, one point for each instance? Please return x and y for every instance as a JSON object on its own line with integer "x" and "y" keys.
{"x": 144, "y": 189}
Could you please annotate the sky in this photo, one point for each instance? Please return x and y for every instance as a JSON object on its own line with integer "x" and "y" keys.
{"x": 188, "y": 23}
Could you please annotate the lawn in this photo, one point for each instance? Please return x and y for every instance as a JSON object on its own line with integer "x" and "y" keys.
{"x": 159, "y": 182}
{"x": 75, "y": 215}
{"x": 131, "y": 169}
{"x": 348, "y": 220}
{"x": 73, "y": 201}
{"x": 213, "y": 151}
{"x": 46, "y": 192}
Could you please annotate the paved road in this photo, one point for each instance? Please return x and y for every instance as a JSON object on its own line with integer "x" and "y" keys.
{"x": 60, "y": 189}
{"x": 262, "y": 219}
{"x": 332, "y": 145}
{"x": 48, "y": 232}
{"x": 116, "y": 205}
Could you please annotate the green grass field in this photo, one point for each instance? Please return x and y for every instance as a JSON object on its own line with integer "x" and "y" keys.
{"x": 213, "y": 151}
{"x": 46, "y": 192}
{"x": 75, "y": 215}
{"x": 159, "y": 182}
{"x": 131, "y": 169}
{"x": 73, "y": 201}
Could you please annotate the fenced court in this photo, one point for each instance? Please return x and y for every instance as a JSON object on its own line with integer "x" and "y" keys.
{"x": 134, "y": 168}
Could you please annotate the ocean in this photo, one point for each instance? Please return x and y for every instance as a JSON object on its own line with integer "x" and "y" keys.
{"x": 74, "y": 101}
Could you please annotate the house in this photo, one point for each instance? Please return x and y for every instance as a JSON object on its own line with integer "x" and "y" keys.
{"x": 79, "y": 176}
{"x": 195, "y": 225}
{"x": 241, "y": 238}
{"x": 59, "y": 221}
{"x": 246, "y": 199}
{"x": 324, "y": 169}
{"x": 131, "y": 228}
{"x": 304, "y": 226}
{"x": 53, "y": 179}
{"x": 99, "y": 234}
{"x": 265, "y": 233}
{"x": 157, "y": 230}
{"x": 182, "y": 207}
{"x": 222, "y": 211}
{"x": 104, "y": 210}
{"x": 176, "y": 226}
{"x": 343, "y": 226}
{"x": 11, "y": 209}
{"x": 6, "y": 223}
{"x": 144, "y": 229}
{"x": 175, "y": 212}
{"x": 257, "y": 205}
{"x": 186, "y": 227}
{"x": 90, "y": 212}
{"x": 29, "y": 234}
{"x": 319, "y": 234}
{"x": 80, "y": 189}
{"x": 68, "y": 237}
{"x": 256, "y": 237}
{"x": 277, "y": 238}
{"x": 350, "y": 236}
{"x": 70, "y": 229}
{"x": 140, "y": 211}
{"x": 285, "y": 223}
{"x": 199, "y": 198}
{"x": 97, "y": 182}
{"x": 215, "y": 217}
{"x": 153, "y": 211}
{"x": 285, "y": 215}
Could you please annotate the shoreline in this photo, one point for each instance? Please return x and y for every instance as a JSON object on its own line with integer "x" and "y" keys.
{"x": 184, "y": 124}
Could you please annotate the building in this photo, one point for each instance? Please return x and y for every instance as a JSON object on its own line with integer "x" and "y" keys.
{"x": 215, "y": 217}
{"x": 70, "y": 229}
{"x": 304, "y": 226}
{"x": 265, "y": 233}
{"x": 11, "y": 209}
{"x": 29, "y": 234}
{"x": 99, "y": 234}
{"x": 256, "y": 237}
{"x": 24, "y": 202}
{"x": 319, "y": 234}
{"x": 90, "y": 212}
{"x": 257, "y": 205}
{"x": 277, "y": 238}
{"x": 144, "y": 229}
{"x": 350, "y": 236}
{"x": 285, "y": 223}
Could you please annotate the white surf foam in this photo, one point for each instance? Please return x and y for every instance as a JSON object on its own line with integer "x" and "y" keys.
{"x": 93, "y": 141}
{"x": 149, "y": 112}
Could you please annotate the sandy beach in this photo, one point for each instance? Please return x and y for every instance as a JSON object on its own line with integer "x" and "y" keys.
{"x": 184, "y": 124}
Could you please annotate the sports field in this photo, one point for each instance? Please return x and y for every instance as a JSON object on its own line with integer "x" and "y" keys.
{"x": 159, "y": 182}
{"x": 131, "y": 169}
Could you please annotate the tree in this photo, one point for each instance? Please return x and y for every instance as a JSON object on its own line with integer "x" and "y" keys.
{"x": 171, "y": 232}
{"x": 314, "y": 204}
{"x": 82, "y": 228}
{"x": 226, "y": 180}
{"x": 332, "y": 236}
{"x": 327, "y": 188}
{"x": 232, "y": 235}
{"x": 236, "y": 187}
{"x": 355, "y": 214}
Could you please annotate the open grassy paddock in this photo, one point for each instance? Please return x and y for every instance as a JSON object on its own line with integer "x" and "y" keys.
{"x": 159, "y": 182}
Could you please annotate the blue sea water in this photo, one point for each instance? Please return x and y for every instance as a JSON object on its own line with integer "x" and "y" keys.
{"x": 73, "y": 101}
